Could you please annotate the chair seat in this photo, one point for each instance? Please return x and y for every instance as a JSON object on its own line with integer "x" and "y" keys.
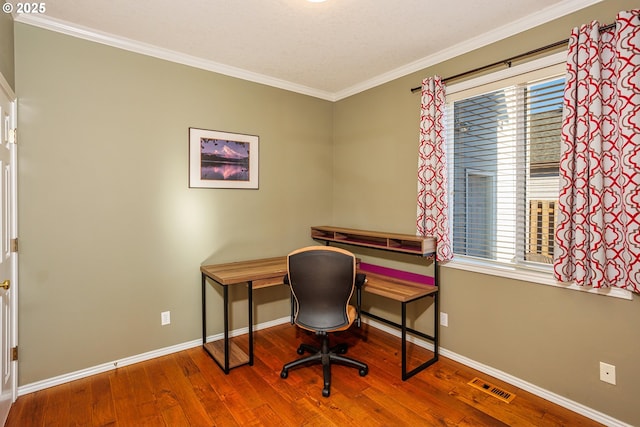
{"x": 352, "y": 313}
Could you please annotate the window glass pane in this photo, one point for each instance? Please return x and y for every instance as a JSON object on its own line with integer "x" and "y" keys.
{"x": 545, "y": 121}
{"x": 504, "y": 172}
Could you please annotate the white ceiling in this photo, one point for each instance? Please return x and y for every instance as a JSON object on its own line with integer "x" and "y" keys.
{"x": 329, "y": 50}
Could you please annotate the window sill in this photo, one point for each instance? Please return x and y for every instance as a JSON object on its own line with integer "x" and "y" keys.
{"x": 542, "y": 276}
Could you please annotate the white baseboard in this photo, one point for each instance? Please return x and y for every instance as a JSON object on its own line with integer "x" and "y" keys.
{"x": 517, "y": 382}
{"x": 104, "y": 367}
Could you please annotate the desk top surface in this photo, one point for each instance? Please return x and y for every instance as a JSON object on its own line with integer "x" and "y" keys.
{"x": 396, "y": 289}
{"x": 244, "y": 271}
{"x": 263, "y": 270}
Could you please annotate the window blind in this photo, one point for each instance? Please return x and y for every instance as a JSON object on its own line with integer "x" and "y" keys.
{"x": 504, "y": 153}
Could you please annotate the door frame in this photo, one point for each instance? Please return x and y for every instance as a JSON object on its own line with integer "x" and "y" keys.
{"x": 13, "y": 340}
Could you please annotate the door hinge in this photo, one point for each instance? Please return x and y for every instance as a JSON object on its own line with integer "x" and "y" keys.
{"x": 14, "y": 353}
{"x": 13, "y": 136}
{"x": 14, "y": 245}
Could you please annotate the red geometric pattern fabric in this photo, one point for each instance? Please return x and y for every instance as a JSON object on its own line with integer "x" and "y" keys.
{"x": 433, "y": 205}
{"x": 598, "y": 221}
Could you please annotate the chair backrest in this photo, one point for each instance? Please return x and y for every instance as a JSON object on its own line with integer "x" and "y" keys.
{"x": 322, "y": 280}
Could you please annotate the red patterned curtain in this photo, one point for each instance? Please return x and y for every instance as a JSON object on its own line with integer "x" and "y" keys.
{"x": 433, "y": 218}
{"x": 598, "y": 228}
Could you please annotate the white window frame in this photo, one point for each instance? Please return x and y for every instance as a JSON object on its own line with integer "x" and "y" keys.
{"x": 539, "y": 274}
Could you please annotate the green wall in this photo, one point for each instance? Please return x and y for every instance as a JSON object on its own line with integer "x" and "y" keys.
{"x": 6, "y": 48}
{"x": 111, "y": 235}
{"x": 551, "y": 337}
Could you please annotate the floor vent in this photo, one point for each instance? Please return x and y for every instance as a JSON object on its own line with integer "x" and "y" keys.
{"x": 491, "y": 389}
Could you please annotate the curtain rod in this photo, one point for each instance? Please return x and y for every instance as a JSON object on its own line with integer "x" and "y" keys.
{"x": 508, "y": 61}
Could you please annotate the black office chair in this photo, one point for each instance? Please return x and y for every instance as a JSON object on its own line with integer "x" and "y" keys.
{"x": 322, "y": 280}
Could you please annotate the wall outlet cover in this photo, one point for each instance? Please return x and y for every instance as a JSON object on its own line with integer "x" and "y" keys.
{"x": 608, "y": 373}
{"x": 165, "y": 318}
{"x": 444, "y": 319}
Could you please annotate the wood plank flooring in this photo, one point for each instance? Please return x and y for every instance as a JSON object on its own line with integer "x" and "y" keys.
{"x": 189, "y": 389}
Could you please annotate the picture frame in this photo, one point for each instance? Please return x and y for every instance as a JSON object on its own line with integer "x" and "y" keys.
{"x": 220, "y": 159}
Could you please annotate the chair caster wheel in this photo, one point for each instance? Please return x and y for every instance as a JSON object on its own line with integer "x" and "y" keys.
{"x": 326, "y": 392}
{"x": 364, "y": 371}
{"x": 300, "y": 350}
{"x": 284, "y": 374}
{"x": 342, "y": 350}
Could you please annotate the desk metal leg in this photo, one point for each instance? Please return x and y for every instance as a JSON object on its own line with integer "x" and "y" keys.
{"x": 404, "y": 341}
{"x": 204, "y": 310}
{"x": 404, "y": 330}
{"x": 226, "y": 353}
{"x": 434, "y": 340}
{"x": 208, "y": 346}
{"x": 436, "y": 325}
{"x": 250, "y": 310}
{"x": 436, "y": 312}
{"x": 226, "y": 329}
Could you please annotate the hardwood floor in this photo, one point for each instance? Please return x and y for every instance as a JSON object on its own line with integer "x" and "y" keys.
{"x": 188, "y": 388}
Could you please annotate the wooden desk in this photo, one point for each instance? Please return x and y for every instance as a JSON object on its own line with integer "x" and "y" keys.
{"x": 404, "y": 288}
{"x": 256, "y": 274}
{"x": 260, "y": 273}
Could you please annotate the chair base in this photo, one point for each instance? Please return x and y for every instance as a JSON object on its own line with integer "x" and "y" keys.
{"x": 326, "y": 356}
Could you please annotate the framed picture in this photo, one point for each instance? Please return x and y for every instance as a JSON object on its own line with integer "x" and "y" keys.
{"x": 222, "y": 159}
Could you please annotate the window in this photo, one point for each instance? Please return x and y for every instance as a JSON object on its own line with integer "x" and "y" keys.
{"x": 504, "y": 143}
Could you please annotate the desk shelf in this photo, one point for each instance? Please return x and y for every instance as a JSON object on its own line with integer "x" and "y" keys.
{"x": 237, "y": 356}
{"x": 405, "y": 243}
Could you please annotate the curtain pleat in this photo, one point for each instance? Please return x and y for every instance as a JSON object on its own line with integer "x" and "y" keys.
{"x": 432, "y": 215}
{"x": 598, "y": 220}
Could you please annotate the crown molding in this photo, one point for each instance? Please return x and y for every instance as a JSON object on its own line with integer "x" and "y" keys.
{"x": 63, "y": 27}
{"x": 546, "y": 15}
{"x": 531, "y": 21}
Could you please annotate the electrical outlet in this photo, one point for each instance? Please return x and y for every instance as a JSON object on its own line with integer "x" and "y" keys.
{"x": 444, "y": 319}
{"x": 607, "y": 373}
{"x": 165, "y": 318}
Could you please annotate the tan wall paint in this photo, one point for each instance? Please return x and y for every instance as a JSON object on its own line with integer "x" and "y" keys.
{"x": 553, "y": 338}
{"x": 6, "y": 48}
{"x": 111, "y": 234}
